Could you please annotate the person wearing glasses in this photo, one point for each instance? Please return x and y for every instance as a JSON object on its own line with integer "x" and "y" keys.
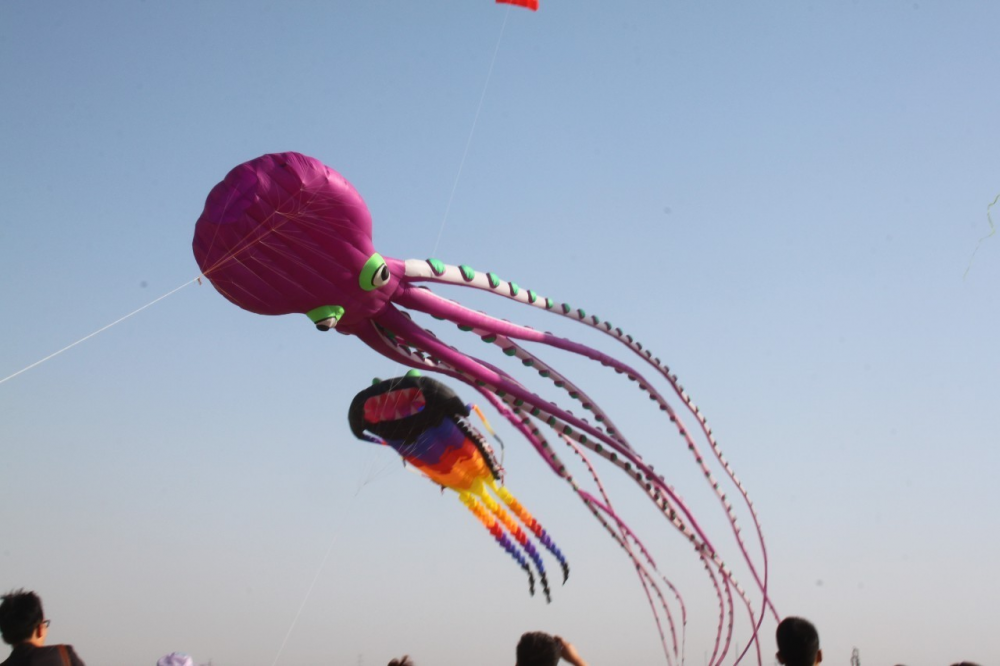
{"x": 24, "y": 627}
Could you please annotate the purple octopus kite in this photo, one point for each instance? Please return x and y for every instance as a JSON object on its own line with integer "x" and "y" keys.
{"x": 285, "y": 234}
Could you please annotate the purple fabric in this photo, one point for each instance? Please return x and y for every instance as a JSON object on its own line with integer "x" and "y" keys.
{"x": 175, "y": 659}
{"x": 285, "y": 233}
{"x": 432, "y": 444}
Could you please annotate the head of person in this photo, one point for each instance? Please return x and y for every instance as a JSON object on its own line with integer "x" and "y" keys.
{"x": 536, "y": 648}
{"x": 22, "y": 619}
{"x": 175, "y": 659}
{"x": 798, "y": 643}
{"x": 402, "y": 661}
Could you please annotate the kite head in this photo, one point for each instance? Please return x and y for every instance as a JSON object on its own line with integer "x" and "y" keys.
{"x": 285, "y": 233}
{"x": 404, "y": 407}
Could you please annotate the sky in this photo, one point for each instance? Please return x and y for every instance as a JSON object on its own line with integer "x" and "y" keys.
{"x": 786, "y": 201}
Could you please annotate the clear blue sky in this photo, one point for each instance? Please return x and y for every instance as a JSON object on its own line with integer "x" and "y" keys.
{"x": 780, "y": 199}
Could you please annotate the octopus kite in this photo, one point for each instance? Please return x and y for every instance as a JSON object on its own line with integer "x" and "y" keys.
{"x": 427, "y": 424}
{"x": 285, "y": 234}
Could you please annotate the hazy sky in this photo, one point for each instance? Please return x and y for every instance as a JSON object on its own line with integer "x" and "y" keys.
{"x": 780, "y": 199}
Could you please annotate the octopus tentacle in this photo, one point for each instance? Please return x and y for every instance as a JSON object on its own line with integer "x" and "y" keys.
{"x": 624, "y": 531}
{"x": 480, "y": 375}
{"x": 728, "y": 579}
{"x": 622, "y": 536}
{"x": 427, "y": 301}
{"x": 549, "y": 412}
{"x": 414, "y": 358}
{"x": 434, "y": 270}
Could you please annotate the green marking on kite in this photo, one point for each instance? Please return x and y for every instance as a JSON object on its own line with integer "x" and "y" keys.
{"x": 532, "y": 296}
{"x": 514, "y": 289}
{"x": 325, "y": 312}
{"x": 494, "y": 280}
{"x": 374, "y": 273}
{"x": 467, "y": 273}
{"x": 437, "y": 266}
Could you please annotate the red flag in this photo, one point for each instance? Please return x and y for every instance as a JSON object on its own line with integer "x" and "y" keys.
{"x": 530, "y": 4}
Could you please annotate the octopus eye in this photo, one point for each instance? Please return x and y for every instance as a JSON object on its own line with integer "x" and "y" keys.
{"x": 374, "y": 274}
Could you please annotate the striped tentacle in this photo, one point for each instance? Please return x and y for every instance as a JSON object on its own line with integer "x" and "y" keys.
{"x": 422, "y": 349}
{"x": 433, "y": 270}
{"x": 607, "y": 501}
{"x": 702, "y": 547}
{"x": 532, "y": 524}
{"x": 420, "y": 360}
{"x": 558, "y": 380}
{"x": 519, "y": 535}
{"x": 703, "y": 551}
{"x": 528, "y": 359}
{"x": 511, "y": 348}
{"x": 491, "y": 524}
{"x": 424, "y": 300}
{"x": 471, "y": 371}
{"x": 478, "y": 374}
{"x": 523, "y": 424}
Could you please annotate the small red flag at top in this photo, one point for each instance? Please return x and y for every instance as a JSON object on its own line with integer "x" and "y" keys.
{"x": 530, "y": 4}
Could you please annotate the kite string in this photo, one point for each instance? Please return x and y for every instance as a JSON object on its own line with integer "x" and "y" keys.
{"x": 101, "y": 330}
{"x": 322, "y": 564}
{"x": 468, "y": 141}
{"x": 319, "y": 570}
{"x": 444, "y": 221}
{"x": 993, "y": 230}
